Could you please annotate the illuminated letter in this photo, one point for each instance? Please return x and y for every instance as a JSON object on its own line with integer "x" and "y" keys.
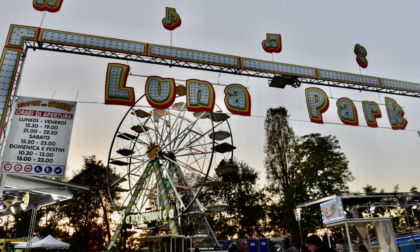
{"x": 238, "y": 100}
{"x": 272, "y": 44}
{"x": 155, "y": 215}
{"x": 371, "y": 111}
{"x": 122, "y": 216}
{"x": 395, "y": 114}
{"x": 317, "y": 102}
{"x": 200, "y": 96}
{"x": 127, "y": 219}
{"x": 160, "y": 92}
{"x": 164, "y": 214}
{"x": 171, "y": 214}
{"x": 361, "y": 53}
{"x": 116, "y": 92}
{"x": 47, "y": 5}
{"x": 347, "y": 112}
{"x": 172, "y": 20}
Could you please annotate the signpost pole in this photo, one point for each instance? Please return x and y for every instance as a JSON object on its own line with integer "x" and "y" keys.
{"x": 2, "y": 182}
{"x": 298, "y": 218}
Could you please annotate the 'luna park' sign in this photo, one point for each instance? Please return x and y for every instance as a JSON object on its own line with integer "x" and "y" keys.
{"x": 318, "y": 103}
{"x": 161, "y": 93}
{"x": 200, "y": 96}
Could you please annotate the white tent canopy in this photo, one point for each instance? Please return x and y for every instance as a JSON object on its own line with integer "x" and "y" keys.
{"x": 23, "y": 244}
{"x": 48, "y": 242}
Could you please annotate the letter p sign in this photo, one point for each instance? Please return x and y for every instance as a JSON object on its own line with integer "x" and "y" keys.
{"x": 317, "y": 102}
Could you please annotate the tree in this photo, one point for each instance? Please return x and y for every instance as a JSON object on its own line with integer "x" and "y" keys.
{"x": 369, "y": 189}
{"x": 300, "y": 169}
{"x": 279, "y": 161}
{"x": 246, "y": 214}
{"x": 89, "y": 213}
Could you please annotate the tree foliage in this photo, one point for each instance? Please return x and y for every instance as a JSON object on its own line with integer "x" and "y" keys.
{"x": 245, "y": 215}
{"x": 89, "y": 213}
{"x": 300, "y": 169}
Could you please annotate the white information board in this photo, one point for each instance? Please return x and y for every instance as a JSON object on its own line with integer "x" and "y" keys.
{"x": 39, "y": 137}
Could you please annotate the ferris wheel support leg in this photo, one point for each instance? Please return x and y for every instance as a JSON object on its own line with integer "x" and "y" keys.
{"x": 196, "y": 206}
{"x": 139, "y": 188}
{"x": 164, "y": 196}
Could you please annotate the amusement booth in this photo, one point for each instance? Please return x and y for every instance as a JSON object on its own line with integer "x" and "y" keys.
{"x": 351, "y": 234}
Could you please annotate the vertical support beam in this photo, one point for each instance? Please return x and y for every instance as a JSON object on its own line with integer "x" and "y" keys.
{"x": 370, "y": 244}
{"x": 348, "y": 237}
{"x": 328, "y": 237}
{"x": 2, "y": 183}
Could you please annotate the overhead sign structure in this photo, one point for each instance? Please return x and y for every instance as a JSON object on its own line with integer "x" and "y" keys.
{"x": 39, "y": 138}
{"x": 332, "y": 210}
{"x": 20, "y": 38}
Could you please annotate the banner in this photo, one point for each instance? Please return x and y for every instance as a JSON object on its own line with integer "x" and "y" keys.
{"x": 39, "y": 138}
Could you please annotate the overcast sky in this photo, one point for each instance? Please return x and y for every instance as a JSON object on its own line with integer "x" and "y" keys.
{"x": 318, "y": 34}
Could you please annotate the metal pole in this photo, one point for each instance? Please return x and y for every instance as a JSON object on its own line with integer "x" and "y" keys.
{"x": 411, "y": 230}
{"x": 370, "y": 244}
{"x": 300, "y": 233}
{"x": 328, "y": 237}
{"x": 414, "y": 219}
{"x": 348, "y": 237}
{"x": 2, "y": 183}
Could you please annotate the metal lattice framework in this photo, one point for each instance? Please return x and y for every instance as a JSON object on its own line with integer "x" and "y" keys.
{"x": 206, "y": 67}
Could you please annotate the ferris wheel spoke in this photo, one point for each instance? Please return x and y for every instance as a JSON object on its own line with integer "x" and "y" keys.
{"x": 185, "y": 166}
{"x": 196, "y": 139}
{"x": 133, "y": 156}
{"x": 196, "y": 161}
{"x": 170, "y": 129}
{"x": 163, "y": 125}
{"x": 129, "y": 173}
{"x": 180, "y": 125}
{"x": 192, "y": 124}
{"x": 194, "y": 153}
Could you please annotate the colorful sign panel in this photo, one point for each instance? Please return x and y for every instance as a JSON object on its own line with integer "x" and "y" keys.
{"x": 200, "y": 96}
{"x": 39, "y": 138}
{"x": 361, "y": 53}
{"x": 116, "y": 92}
{"x": 47, "y": 5}
{"x": 272, "y": 44}
{"x": 332, "y": 210}
{"x": 172, "y": 20}
{"x": 238, "y": 100}
{"x": 317, "y": 103}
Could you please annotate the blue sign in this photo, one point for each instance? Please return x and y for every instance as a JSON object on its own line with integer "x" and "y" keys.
{"x": 38, "y": 169}
{"x": 48, "y": 169}
{"x": 58, "y": 170}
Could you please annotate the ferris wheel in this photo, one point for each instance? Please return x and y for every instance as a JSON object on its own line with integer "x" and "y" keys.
{"x": 160, "y": 160}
